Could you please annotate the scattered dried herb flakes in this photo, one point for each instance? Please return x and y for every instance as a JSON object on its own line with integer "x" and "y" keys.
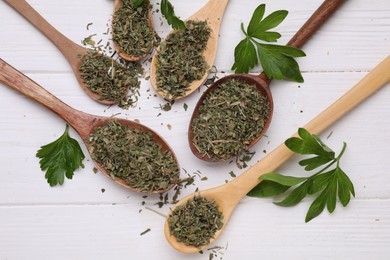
{"x": 133, "y": 156}
{"x": 180, "y": 60}
{"x": 196, "y": 222}
{"x": 230, "y": 118}
{"x": 130, "y": 29}
{"x": 110, "y": 79}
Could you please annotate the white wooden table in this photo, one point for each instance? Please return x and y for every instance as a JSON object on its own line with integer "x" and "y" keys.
{"x": 80, "y": 221}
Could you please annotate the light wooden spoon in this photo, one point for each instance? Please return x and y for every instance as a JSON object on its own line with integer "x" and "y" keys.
{"x": 229, "y": 195}
{"x": 71, "y": 51}
{"x": 82, "y": 122}
{"x": 118, "y": 4}
{"x": 212, "y": 12}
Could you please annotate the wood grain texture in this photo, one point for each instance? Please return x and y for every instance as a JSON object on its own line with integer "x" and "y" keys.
{"x": 80, "y": 221}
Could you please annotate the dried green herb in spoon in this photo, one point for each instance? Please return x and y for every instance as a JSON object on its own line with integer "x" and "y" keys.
{"x": 134, "y": 157}
{"x": 131, "y": 30}
{"x": 196, "y": 222}
{"x": 180, "y": 59}
{"x": 109, "y": 79}
{"x": 230, "y": 118}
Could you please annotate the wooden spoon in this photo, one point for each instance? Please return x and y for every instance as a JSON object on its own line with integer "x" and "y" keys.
{"x": 229, "y": 195}
{"x": 212, "y": 12}
{"x": 118, "y": 4}
{"x": 262, "y": 82}
{"x": 71, "y": 51}
{"x": 82, "y": 122}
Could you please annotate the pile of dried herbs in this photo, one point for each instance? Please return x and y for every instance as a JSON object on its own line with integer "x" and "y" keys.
{"x": 180, "y": 60}
{"x": 230, "y": 118}
{"x": 196, "y": 222}
{"x": 110, "y": 79}
{"x": 130, "y": 29}
{"x": 133, "y": 156}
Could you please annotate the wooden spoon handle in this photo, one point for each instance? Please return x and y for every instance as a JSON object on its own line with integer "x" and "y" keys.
{"x": 16, "y": 80}
{"x": 318, "y": 18}
{"x": 315, "y": 21}
{"x": 69, "y": 49}
{"x": 213, "y": 10}
{"x": 372, "y": 82}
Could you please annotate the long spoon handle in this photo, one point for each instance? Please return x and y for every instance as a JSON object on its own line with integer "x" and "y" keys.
{"x": 315, "y": 22}
{"x": 318, "y": 18}
{"x": 69, "y": 49}
{"x": 372, "y": 82}
{"x": 21, "y": 83}
{"x": 216, "y": 8}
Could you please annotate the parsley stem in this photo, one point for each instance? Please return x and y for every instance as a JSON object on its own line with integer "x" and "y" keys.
{"x": 341, "y": 153}
{"x": 324, "y": 169}
{"x": 335, "y": 160}
{"x": 243, "y": 31}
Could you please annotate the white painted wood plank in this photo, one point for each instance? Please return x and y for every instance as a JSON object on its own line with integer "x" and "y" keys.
{"x": 257, "y": 229}
{"x": 25, "y": 126}
{"x": 79, "y": 221}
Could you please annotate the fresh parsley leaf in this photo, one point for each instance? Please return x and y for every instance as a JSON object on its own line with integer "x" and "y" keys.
{"x": 283, "y": 180}
{"x": 60, "y": 158}
{"x": 268, "y": 189}
{"x": 277, "y": 61}
{"x": 329, "y": 183}
{"x": 308, "y": 144}
{"x": 258, "y": 26}
{"x": 295, "y": 196}
{"x": 137, "y": 3}
{"x": 168, "y": 12}
{"x": 244, "y": 56}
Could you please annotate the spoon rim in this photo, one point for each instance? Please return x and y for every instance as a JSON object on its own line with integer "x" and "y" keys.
{"x": 261, "y": 84}
{"x": 124, "y": 55}
{"x": 211, "y": 194}
{"x": 100, "y": 121}
{"x": 214, "y": 23}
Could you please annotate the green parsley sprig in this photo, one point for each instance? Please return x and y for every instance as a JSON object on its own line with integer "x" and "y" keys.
{"x": 277, "y": 61}
{"x": 168, "y": 12}
{"x": 60, "y": 158}
{"x": 328, "y": 183}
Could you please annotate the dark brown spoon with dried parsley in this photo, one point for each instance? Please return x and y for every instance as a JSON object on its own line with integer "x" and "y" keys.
{"x": 247, "y": 133}
{"x": 132, "y": 29}
{"x": 108, "y": 91}
{"x": 154, "y": 165}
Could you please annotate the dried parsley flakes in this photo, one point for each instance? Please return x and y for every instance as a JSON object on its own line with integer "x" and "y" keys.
{"x": 133, "y": 156}
{"x": 180, "y": 60}
{"x": 109, "y": 79}
{"x": 230, "y": 118}
{"x": 196, "y": 222}
{"x": 131, "y": 31}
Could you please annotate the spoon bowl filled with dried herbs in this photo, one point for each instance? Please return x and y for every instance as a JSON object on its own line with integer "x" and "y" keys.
{"x": 101, "y": 77}
{"x": 199, "y": 219}
{"x": 129, "y": 153}
{"x": 234, "y": 112}
{"x": 132, "y": 29}
{"x": 181, "y": 63}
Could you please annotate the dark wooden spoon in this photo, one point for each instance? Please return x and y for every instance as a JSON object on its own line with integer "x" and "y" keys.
{"x": 82, "y": 122}
{"x": 71, "y": 51}
{"x": 261, "y": 81}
